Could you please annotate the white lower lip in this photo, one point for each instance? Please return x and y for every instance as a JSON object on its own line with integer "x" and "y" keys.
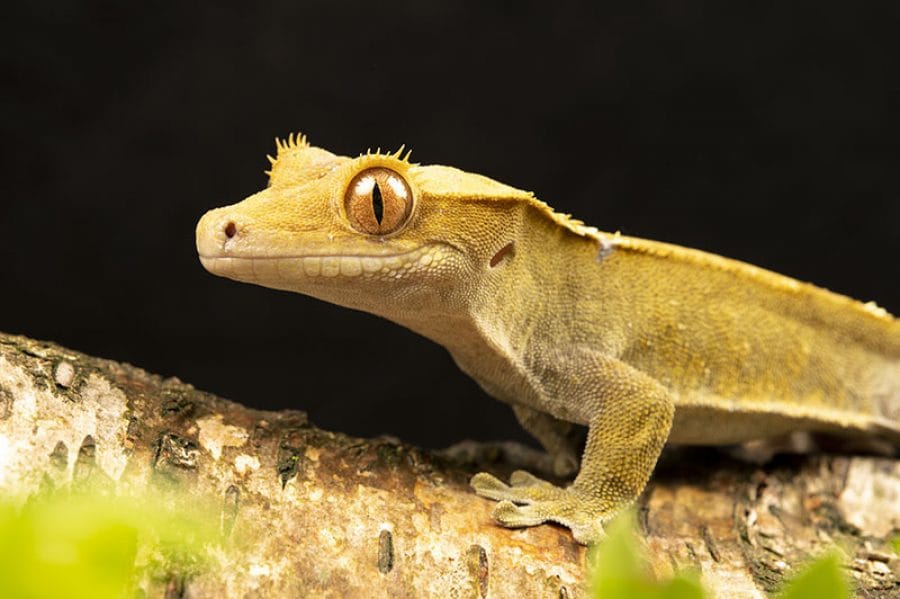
{"x": 287, "y": 269}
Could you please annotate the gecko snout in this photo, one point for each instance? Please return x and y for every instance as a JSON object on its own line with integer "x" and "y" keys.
{"x": 216, "y": 231}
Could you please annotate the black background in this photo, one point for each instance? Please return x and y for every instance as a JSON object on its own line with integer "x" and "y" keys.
{"x": 766, "y": 133}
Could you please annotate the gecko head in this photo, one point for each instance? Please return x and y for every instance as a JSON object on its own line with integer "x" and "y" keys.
{"x": 375, "y": 232}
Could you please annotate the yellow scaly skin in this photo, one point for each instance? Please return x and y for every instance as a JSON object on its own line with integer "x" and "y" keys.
{"x": 641, "y": 341}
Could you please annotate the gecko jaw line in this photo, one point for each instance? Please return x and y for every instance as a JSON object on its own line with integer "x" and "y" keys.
{"x": 324, "y": 265}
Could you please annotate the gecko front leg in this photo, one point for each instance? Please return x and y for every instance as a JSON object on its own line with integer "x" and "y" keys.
{"x": 630, "y": 415}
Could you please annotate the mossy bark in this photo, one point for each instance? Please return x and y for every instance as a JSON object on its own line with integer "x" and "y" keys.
{"x": 306, "y": 512}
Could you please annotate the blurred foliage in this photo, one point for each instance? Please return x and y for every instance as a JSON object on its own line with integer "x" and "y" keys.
{"x": 821, "y": 579}
{"x": 620, "y": 570}
{"x": 86, "y": 545}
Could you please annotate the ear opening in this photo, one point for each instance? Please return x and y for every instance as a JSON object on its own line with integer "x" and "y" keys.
{"x": 507, "y": 250}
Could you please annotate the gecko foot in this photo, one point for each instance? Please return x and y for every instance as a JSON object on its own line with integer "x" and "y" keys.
{"x": 528, "y": 501}
{"x": 523, "y": 488}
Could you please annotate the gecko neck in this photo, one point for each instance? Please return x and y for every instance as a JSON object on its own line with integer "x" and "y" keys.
{"x": 449, "y": 330}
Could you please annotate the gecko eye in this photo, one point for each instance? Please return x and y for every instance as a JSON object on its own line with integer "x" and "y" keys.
{"x": 378, "y": 201}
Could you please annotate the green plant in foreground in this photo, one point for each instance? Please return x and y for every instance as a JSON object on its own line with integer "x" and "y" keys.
{"x": 620, "y": 570}
{"x": 84, "y": 545}
{"x": 821, "y": 579}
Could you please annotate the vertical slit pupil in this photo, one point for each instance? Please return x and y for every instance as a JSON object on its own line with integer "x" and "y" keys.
{"x": 377, "y": 203}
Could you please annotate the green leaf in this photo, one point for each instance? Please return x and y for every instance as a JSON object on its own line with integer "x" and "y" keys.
{"x": 89, "y": 546}
{"x": 822, "y": 579}
{"x": 619, "y": 569}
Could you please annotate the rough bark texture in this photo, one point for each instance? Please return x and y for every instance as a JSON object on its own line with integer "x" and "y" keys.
{"x": 310, "y": 513}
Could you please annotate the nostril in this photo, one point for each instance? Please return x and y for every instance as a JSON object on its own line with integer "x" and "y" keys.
{"x": 230, "y": 230}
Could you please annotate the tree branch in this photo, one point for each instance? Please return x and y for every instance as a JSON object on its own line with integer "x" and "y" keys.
{"x": 307, "y": 512}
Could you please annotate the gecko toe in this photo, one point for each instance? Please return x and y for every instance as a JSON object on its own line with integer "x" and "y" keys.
{"x": 511, "y": 515}
{"x": 525, "y": 488}
{"x": 488, "y": 485}
{"x": 587, "y": 531}
{"x": 531, "y": 501}
{"x": 585, "y": 524}
{"x": 521, "y": 478}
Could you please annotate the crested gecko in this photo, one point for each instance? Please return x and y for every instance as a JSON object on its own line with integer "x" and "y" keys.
{"x": 641, "y": 341}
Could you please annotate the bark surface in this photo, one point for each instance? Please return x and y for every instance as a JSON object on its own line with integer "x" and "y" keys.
{"x": 311, "y": 513}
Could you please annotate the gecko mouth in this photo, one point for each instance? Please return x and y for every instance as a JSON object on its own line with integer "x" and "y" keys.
{"x": 285, "y": 269}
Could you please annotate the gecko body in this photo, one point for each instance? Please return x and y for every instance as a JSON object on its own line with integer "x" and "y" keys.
{"x": 641, "y": 341}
